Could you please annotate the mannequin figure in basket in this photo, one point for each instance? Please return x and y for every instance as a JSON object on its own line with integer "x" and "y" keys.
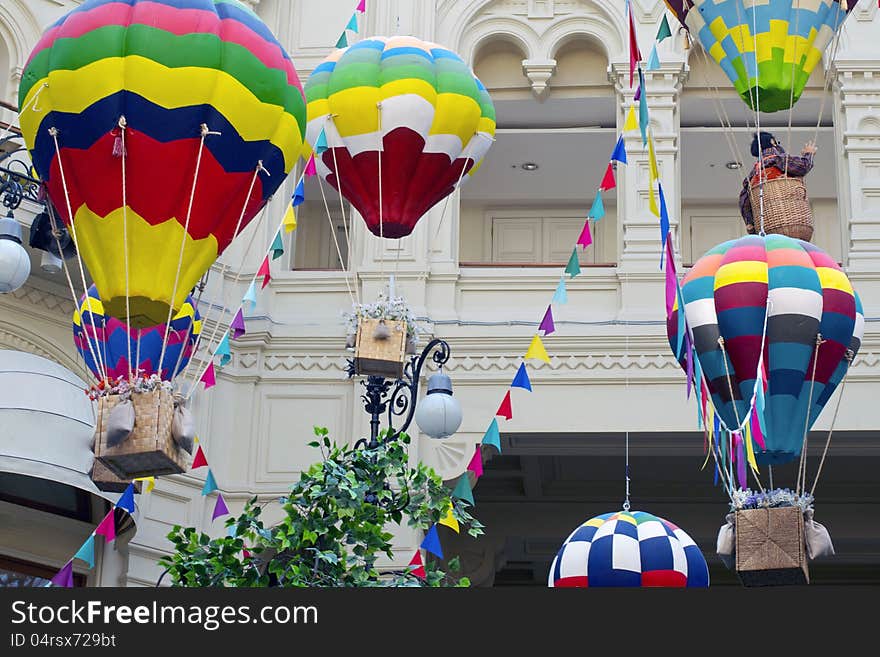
{"x": 775, "y": 163}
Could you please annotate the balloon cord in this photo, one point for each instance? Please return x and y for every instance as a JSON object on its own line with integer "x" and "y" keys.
{"x": 8, "y": 127}
{"x": 158, "y": 366}
{"x": 345, "y": 219}
{"x": 457, "y": 185}
{"x": 626, "y": 504}
{"x": 342, "y": 263}
{"x": 849, "y": 357}
{"x": 794, "y": 60}
{"x": 802, "y": 466}
{"x": 53, "y": 131}
{"x": 381, "y": 225}
{"x": 834, "y": 47}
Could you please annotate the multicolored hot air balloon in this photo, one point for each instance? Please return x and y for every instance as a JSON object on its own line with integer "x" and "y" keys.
{"x": 174, "y": 73}
{"x": 112, "y": 341}
{"x": 415, "y": 102}
{"x": 767, "y": 48}
{"x": 628, "y": 549}
{"x": 814, "y": 326}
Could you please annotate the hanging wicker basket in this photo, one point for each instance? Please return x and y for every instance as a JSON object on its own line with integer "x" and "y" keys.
{"x": 149, "y": 450}
{"x": 787, "y": 208}
{"x": 380, "y": 349}
{"x": 770, "y": 549}
{"x": 105, "y": 480}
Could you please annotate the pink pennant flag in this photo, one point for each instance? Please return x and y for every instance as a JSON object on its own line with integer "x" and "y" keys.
{"x": 635, "y": 56}
{"x": 586, "y": 237}
{"x": 362, "y": 6}
{"x": 547, "y": 324}
{"x": 199, "y": 459}
{"x": 264, "y": 272}
{"x": 757, "y": 435}
{"x": 505, "y": 410}
{"x": 671, "y": 280}
{"x": 608, "y": 181}
{"x": 237, "y": 326}
{"x": 476, "y": 464}
{"x": 418, "y": 568}
{"x": 220, "y": 508}
{"x": 107, "y": 528}
{"x": 311, "y": 168}
{"x": 209, "y": 378}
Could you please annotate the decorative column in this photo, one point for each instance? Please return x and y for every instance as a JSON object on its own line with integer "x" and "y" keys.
{"x": 640, "y": 246}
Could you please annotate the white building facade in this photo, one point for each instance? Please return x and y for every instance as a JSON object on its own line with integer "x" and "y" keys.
{"x": 481, "y": 269}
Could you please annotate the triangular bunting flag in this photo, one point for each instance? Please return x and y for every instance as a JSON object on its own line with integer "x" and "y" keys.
{"x": 209, "y": 378}
{"x": 462, "y": 489}
{"x": 432, "y": 543}
{"x": 210, "y": 484}
{"x": 521, "y": 380}
{"x": 598, "y": 209}
{"x": 343, "y": 42}
{"x": 126, "y": 500}
{"x": 278, "y": 245}
{"x": 619, "y": 154}
{"x": 450, "y": 520}
{"x": 573, "y": 268}
{"x": 223, "y": 349}
{"x": 64, "y": 578}
{"x": 416, "y": 566}
{"x": 149, "y": 483}
{"x": 237, "y": 326}
{"x": 643, "y": 109}
{"x": 299, "y": 194}
{"x": 635, "y": 56}
{"x": 560, "y": 297}
{"x": 608, "y": 181}
{"x": 653, "y": 170}
{"x": 493, "y": 435}
{"x": 586, "y": 237}
{"x": 664, "y": 218}
{"x": 536, "y": 350}
{"x": 476, "y": 464}
{"x": 107, "y": 528}
{"x": 289, "y": 219}
{"x": 199, "y": 460}
{"x": 654, "y": 60}
{"x": 671, "y": 280}
{"x": 250, "y": 297}
{"x": 264, "y": 272}
{"x": 664, "y": 31}
{"x": 352, "y": 24}
{"x": 311, "y": 168}
{"x": 505, "y": 410}
{"x": 220, "y": 508}
{"x": 362, "y": 6}
{"x": 631, "y": 122}
{"x": 321, "y": 143}
{"x": 547, "y": 324}
{"x": 638, "y": 95}
{"x": 652, "y": 200}
{"x": 86, "y": 551}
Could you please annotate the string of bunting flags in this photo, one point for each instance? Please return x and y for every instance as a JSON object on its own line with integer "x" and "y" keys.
{"x": 637, "y": 119}
{"x": 208, "y": 377}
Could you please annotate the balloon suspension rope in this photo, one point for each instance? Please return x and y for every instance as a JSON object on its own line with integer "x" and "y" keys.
{"x": 457, "y": 185}
{"x": 721, "y": 113}
{"x": 827, "y": 87}
{"x": 345, "y": 219}
{"x": 342, "y": 263}
{"x": 381, "y": 201}
{"x": 192, "y": 194}
{"x": 849, "y": 357}
{"x": 802, "y": 466}
{"x": 794, "y": 61}
{"x": 53, "y": 131}
{"x": 123, "y": 155}
{"x": 626, "y": 473}
{"x": 33, "y": 101}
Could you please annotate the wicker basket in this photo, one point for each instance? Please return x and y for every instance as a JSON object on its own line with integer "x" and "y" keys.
{"x": 149, "y": 450}
{"x": 379, "y": 357}
{"x": 770, "y": 548}
{"x": 108, "y": 482}
{"x": 787, "y": 208}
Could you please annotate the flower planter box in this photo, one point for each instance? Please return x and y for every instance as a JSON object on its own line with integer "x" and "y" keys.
{"x": 375, "y": 356}
{"x": 108, "y": 482}
{"x": 770, "y": 549}
{"x": 150, "y": 450}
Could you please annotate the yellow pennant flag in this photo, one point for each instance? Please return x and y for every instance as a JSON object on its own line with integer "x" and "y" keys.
{"x": 449, "y": 521}
{"x": 536, "y": 350}
{"x": 652, "y": 200}
{"x": 149, "y": 483}
{"x": 289, "y": 219}
{"x": 631, "y": 122}
{"x": 652, "y": 158}
{"x": 750, "y": 450}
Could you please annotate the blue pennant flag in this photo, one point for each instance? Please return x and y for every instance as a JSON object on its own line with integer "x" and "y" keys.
{"x": 223, "y": 350}
{"x": 654, "y": 60}
{"x": 232, "y": 530}
{"x": 321, "y": 143}
{"x": 126, "y": 500}
{"x": 664, "y": 224}
{"x": 561, "y": 295}
{"x": 353, "y": 23}
{"x": 87, "y": 551}
{"x": 251, "y": 295}
{"x": 521, "y": 380}
{"x": 432, "y": 543}
{"x": 493, "y": 435}
{"x": 643, "y": 108}
{"x": 619, "y": 154}
{"x": 598, "y": 209}
{"x": 299, "y": 195}
{"x": 210, "y": 485}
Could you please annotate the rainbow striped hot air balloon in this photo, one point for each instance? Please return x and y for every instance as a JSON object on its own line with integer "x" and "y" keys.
{"x": 416, "y": 102}
{"x": 169, "y": 70}
{"x": 805, "y": 299}
{"x": 112, "y": 342}
{"x": 767, "y": 48}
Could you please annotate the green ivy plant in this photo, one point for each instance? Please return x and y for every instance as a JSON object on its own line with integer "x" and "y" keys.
{"x": 334, "y": 526}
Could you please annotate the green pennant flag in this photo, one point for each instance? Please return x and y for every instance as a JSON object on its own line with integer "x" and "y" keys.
{"x": 277, "y": 246}
{"x": 463, "y": 489}
{"x": 664, "y": 30}
{"x": 343, "y": 42}
{"x": 573, "y": 267}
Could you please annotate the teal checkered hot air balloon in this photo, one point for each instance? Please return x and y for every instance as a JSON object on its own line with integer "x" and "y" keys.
{"x": 767, "y": 48}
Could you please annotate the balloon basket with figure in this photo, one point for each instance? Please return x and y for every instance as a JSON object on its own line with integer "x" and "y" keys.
{"x": 134, "y": 437}
{"x": 786, "y": 207}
